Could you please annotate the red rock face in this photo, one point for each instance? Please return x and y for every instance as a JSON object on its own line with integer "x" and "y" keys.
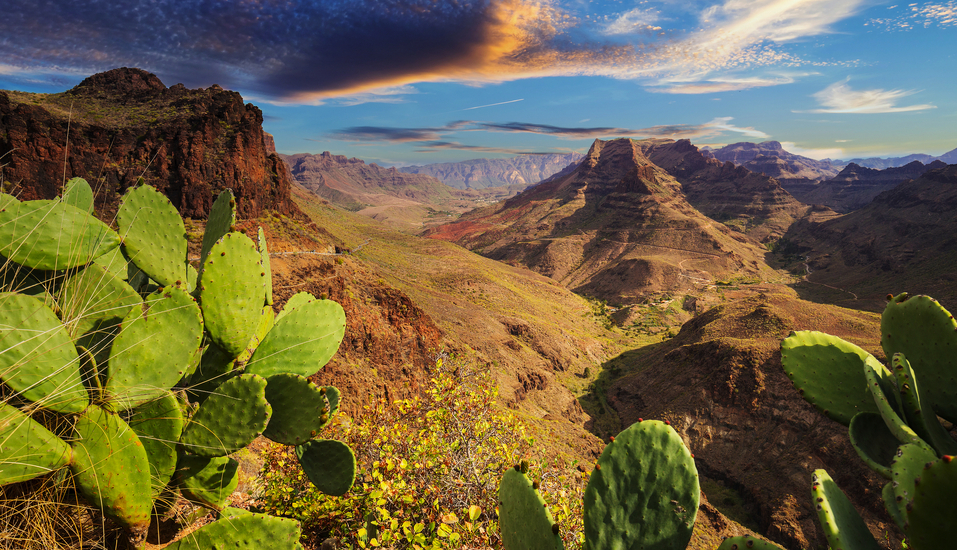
{"x": 118, "y": 126}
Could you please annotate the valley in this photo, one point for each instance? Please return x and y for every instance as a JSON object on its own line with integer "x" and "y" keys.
{"x": 644, "y": 279}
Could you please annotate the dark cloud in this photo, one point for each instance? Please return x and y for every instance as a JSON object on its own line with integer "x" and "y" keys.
{"x": 434, "y": 146}
{"x": 281, "y": 48}
{"x": 396, "y": 135}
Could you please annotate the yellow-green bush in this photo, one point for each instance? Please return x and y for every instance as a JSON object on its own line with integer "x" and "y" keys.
{"x": 429, "y": 470}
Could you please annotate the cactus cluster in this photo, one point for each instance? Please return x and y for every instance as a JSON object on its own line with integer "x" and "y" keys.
{"x": 892, "y": 416}
{"x": 137, "y": 375}
{"x": 643, "y": 493}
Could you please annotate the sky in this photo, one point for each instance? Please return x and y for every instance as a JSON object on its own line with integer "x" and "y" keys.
{"x": 402, "y": 82}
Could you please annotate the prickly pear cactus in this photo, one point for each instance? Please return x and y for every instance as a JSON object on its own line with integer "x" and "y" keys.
{"x": 897, "y": 433}
{"x": 747, "y": 542}
{"x": 119, "y": 382}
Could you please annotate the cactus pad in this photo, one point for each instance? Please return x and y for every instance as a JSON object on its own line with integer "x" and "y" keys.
{"x": 39, "y": 360}
{"x": 298, "y": 407}
{"x": 747, "y": 542}
{"x": 154, "y": 348}
{"x": 215, "y": 367}
{"x": 842, "y": 525}
{"x": 644, "y": 492}
{"x": 77, "y": 192}
{"x": 27, "y": 449}
{"x": 153, "y": 234}
{"x": 524, "y": 519}
{"x": 329, "y": 464}
{"x": 894, "y": 423}
{"x": 243, "y": 531}
{"x": 207, "y": 481}
{"x": 926, "y": 334}
{"x": 919, "y": 413}
{"x": 302, "y": 341}
{"x": 874, "y": 443}
{"x": 159, "y": 425}
{"x": 52, "y": 235}
{"x": 264, "y": 252}
{"x": 94, "y": 295}
{"x": 827, "y": 372}
{"x": 222, "y": 217}
{"x": 930, "y": 517}
{"x": 111, "y": 469}
{"x": 230, "y": 418}
{"x": 294, "y": 301}
{"x": 231, "y": 290}
{"x": 908, "y": 464}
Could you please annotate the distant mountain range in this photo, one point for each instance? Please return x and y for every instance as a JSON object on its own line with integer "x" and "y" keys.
{"x": 520, "y": 171}
{"x": 856, "y": 186}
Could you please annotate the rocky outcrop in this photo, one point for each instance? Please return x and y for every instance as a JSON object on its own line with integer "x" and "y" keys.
{"x": 118, "y": 126}
{"x": 523, "y": 170}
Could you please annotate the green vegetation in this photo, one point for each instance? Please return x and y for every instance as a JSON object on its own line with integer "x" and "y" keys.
{"x": 121, "y": 389}
{"x": 645, "y": 472}
{"x": 892, "y": 415}
{"x": 428, "y": 466}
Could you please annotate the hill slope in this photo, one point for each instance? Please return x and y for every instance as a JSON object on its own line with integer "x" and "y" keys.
{"x": 903, "y": 240}
{"x": 617, "y": 227}
{"x": 797, "y": 174}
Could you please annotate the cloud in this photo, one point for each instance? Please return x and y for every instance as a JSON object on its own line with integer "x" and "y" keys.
{"x": 816, "y": 154}
{"x": 932, "y": 14}
{"x": 307, "y": 52}
{"x": 840, "y": 98}
{"x": 719, "y": 85}
{"x": 437, "y": 137}
{"x": 632, "y": 21}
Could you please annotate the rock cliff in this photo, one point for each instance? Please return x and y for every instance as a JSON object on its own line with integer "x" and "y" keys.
{"x": 117, "y": 126}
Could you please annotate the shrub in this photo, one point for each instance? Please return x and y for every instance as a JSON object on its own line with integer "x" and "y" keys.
{"x": 428, "y": 469}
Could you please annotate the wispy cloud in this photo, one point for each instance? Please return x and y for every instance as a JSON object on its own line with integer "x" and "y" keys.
{"x": 720, "y": 84}
{"x": 438, "y": 137}
{"x": 492, "y": 104}
{"x": 840, "y": 98}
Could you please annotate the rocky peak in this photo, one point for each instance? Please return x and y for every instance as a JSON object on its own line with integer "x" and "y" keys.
{"x": 125, "y": 124}
{"x": 124, "y": 84}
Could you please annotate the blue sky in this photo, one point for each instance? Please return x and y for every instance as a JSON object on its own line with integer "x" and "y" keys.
{"x": 421, "y": 81}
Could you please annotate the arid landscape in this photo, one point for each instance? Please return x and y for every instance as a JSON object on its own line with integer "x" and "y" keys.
{"x": 646, "y": 279}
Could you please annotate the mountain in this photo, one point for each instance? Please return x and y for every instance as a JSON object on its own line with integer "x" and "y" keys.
{"x": 744, "y": 200}
{"x": 123, "y": 124}
{"x": 903, "y": 240}
{"x": 618, "y": 227}
{"x": 385, "y": 194}
{"x": 520, "y": 171}
{"x": 878, "y": 163}
{"x": 795, "y": 173}
{"x": 855, "y": 186}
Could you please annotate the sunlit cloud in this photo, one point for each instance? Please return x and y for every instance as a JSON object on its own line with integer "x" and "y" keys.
{"x": 722, "y": 124}
{"x": 840, "y": 98}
